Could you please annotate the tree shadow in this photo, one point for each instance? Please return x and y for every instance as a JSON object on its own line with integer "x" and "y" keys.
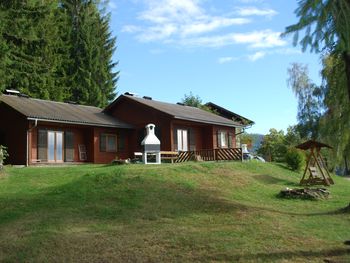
{"x": 283, "y": 255}
{"x": 269, "y": 179}
{"x": 114, "y": 197}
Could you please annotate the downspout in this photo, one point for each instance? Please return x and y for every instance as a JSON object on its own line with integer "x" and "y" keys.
{"x": 27, "y": 152}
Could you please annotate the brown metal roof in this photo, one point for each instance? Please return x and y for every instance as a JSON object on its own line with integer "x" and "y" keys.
{"x": 60, "y": 112}
{"x": 181, "y": 112}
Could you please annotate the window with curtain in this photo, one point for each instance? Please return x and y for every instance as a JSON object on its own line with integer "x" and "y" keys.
{"x": 223, "y": 140}
{"x": 108, "y": 142}
{"x": 42, "y": 145}
{"x": 69, "y": 146}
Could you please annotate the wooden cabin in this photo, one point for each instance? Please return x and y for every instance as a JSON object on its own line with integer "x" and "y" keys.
{"x": 41, "y": 131}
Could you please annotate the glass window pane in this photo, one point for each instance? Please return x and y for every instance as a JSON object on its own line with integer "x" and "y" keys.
{"x": 59, "y": 146}
{"x": 42, "y": 145}
{"x": 103, "y": 143}
{"x": 51, "y": 146}
{"x": 223, "y": 139}
{"x": 69, "y": 146}
{"x": 121, "y": 141}
{"x": 111, "y": 143}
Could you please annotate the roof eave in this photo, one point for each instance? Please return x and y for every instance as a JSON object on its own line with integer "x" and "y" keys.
{"x": 80, "y": 123}
{"x": 209, "y": 122}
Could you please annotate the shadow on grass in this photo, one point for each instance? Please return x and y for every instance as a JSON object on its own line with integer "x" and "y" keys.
{"x": 269, "y": 179}
{"x": 287, "y": 255}
{"x": 112, "y": 197}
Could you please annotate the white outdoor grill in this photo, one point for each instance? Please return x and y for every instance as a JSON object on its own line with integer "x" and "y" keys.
{"x": 150, "y": 145}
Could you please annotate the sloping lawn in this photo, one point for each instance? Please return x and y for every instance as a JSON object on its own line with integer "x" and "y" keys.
{"x": 221, "y": 212}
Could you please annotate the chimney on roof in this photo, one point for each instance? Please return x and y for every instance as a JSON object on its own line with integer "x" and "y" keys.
{"x": 130, "y": 93}
{"x": 12, "y": 92}
{"x": 147, "y": 98}
{"x": 71, "y": 102}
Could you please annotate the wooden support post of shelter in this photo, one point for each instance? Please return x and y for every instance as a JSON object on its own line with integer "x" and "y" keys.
{"x": 315, "y": 165}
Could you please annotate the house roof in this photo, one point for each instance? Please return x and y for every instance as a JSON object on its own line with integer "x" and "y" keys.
{"x": 312, "y": 144}
{"x": 180, "y": 112}
{"x": 229, "y": 114}
{"x": 60, "y": 112}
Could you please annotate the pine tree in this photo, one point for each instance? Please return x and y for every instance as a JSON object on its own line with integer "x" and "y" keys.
{"x": 3, "y": 54}
{"x": 92, "y": 79}
{"x": 28, "y": 34}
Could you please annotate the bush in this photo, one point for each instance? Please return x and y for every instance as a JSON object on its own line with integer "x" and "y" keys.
{"x": 3, "y": 155}
{"x": 295, "y": 159}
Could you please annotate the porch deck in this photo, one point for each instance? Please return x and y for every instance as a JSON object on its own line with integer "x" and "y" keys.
{"x": 220, "y": 154}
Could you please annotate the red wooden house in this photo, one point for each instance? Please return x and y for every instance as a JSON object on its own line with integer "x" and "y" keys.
{"x": 54, "y": 132}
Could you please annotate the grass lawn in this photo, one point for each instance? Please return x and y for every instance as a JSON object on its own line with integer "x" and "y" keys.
{"x": 216, "y": 212}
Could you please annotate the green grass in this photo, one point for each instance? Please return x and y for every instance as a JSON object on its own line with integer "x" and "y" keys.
{"x": 216, "y": 212}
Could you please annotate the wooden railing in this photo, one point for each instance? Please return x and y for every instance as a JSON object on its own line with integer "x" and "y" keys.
{"x": 222, "y": 154}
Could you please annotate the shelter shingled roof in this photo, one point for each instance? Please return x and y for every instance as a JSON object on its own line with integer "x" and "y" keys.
{"x": 312, "y": 144}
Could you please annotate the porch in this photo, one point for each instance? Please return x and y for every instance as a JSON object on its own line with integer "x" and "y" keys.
{"x": 219, "y": 154}
{"x": 59, "y": 144}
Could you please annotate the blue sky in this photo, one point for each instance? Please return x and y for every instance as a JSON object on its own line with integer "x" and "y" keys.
{"x": 226, "y": 51}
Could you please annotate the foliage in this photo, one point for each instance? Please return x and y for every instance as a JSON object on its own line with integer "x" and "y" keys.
{"x": 273, "y": 147}
{"x": 293, "y": 137}
{"x": 310, "y": 99}
{"x": 326, "y": 24}
{"x": 253, "y": 141}
{"x": 295, "y": 159}
{"x": 195, "y": 101}
{"x": 98, "y": 213}
{"x": 3, "y": 155}
{"x": 57, "y": 50}
{"x": 335, "y": 124}
{"x": 247, "y": 139}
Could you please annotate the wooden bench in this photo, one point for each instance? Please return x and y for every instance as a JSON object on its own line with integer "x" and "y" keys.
{"x": 168, "y": 155}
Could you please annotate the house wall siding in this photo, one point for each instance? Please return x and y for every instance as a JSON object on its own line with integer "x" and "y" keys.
{"x": 229, "y": 130}
{"x": 13, "y": 132}
{"x": 107, "y": 157}
{"x": 139, "y": 116}
{"x": 88, "y": 136}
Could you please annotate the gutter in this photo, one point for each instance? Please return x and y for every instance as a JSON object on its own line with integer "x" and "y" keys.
{"x": 27, "y": 152}
{"x": 208, "y": 122}
{"x": 243, "y": 129}
{"x": 81, "y": 123}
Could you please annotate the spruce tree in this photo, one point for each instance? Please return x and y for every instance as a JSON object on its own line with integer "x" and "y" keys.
{"x": 28, "y": 36}
{"x": 91, "y": 72}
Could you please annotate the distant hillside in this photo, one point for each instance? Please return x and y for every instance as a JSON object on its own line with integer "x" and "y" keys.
{"x": 256, "y": 142}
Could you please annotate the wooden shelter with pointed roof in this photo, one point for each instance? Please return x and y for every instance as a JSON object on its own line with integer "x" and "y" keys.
{"x": 316, "y": 166}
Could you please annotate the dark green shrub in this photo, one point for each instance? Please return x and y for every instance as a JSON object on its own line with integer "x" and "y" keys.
{"x": 3, "y": 155}
{"x": 295, "y": 159}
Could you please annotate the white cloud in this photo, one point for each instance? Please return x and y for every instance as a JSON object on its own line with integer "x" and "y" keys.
{"x": 131, "y": 29}
{"x": 253, "y": 11}
{"x": 158, "y": 33}
{"x": 163, "y": 11}
{"x": 224, "y": 60}
{"x": 257, "y": 55}
{"x": 165, "y": 20}
{"x": 255, "y": 39}
{"x": 211, "y": 25}
{"x": 186, "y": 23}
{"x": 112, "y": 5}
{"x": 251, "y": 1}
{"x": 288, "y": 51}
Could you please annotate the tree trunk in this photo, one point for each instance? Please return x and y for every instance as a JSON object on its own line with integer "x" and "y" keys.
{"x": 346, "y": 56}
{"x": 346, "y": 166}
